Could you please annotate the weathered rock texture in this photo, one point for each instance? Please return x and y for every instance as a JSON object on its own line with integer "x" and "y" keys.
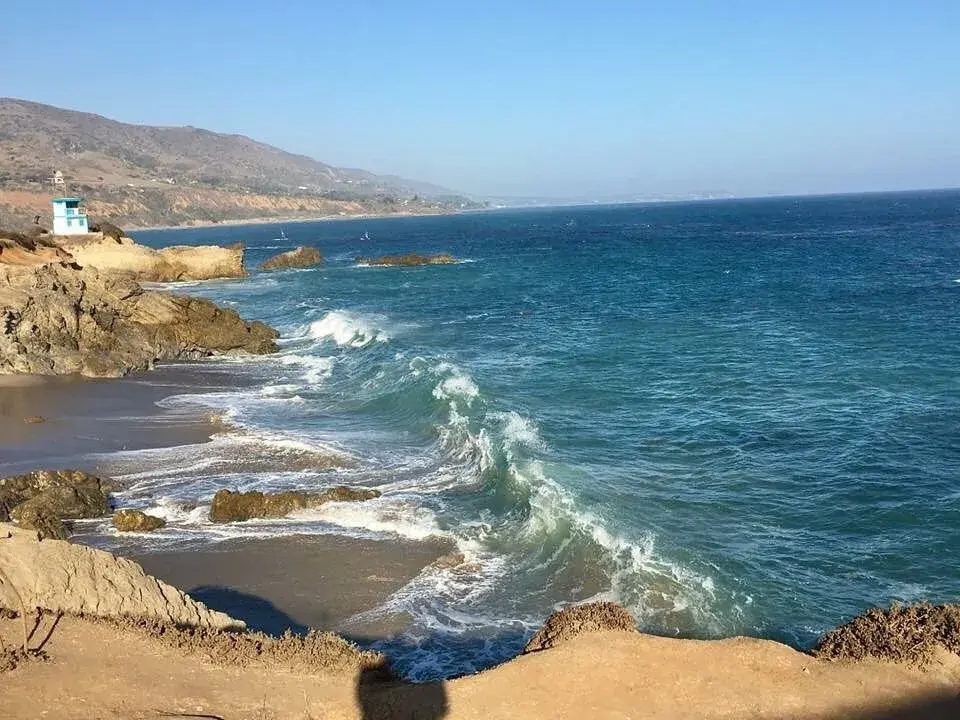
{"x": 903, "y": 633}
{"x": 230, "y": 506}
{"x": 566, "y": 624}
{"x": 411, "y": 259}
{"x": 42, "y": 499}
{"x": 171, "y": 264}
{"x": 136, "y": 521}
{"x": 300, "y": 258}
{"x": 59, "y": 319}
{"x": 58, "y": 576}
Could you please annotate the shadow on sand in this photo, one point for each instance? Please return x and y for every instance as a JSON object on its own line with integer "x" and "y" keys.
{"x": 256, "y": 612}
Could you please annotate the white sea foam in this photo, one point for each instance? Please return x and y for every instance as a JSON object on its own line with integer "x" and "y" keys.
{"x": 317, "y": 368}
{"x": 349, "y": 329}
{"x": 459, "y": 387}
{"x": 388, "y": 515}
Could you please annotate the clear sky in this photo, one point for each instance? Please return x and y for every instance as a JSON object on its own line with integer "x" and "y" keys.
{"x": 585, "y": 99}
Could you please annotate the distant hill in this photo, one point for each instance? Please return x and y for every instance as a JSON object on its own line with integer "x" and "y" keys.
{"x": 122, "y": 165}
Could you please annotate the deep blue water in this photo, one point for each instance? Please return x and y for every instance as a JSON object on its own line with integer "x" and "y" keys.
{"x": 737, "y": 417}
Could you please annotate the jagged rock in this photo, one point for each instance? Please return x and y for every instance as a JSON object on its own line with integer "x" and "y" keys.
{"x": 39, "y": 517}
{"x": 902, "y": 633}
{"x": 230, "y": 506}
{"x": 578, "y": 619}
{"x": 59, "y": 319}
{"x": 411, "y": 259}
{"x": 136, "y": 521}
{"x": 61, "y": 577}
{"x": 64, "y": 493}
{"x": 300, "y": 258}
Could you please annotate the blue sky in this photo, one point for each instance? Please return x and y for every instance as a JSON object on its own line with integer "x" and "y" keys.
{"x": 575, "y": 99}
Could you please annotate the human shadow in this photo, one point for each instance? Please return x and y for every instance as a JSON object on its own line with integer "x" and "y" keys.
{"x": 937, "y": 706}
{"x": 381, "y": 696}
{"x": 257, "y": 612}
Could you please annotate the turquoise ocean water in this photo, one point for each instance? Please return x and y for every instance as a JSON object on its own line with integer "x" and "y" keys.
{"x": 737, "y": 417}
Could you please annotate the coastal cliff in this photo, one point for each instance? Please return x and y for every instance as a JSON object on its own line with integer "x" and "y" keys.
{"x": 170, "y": 264}
{"x": 59, "y": 318}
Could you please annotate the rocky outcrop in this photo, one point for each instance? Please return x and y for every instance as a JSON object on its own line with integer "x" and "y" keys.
{"x": 302, "y": 257}
{"x": 170, "y": 264}
{"x": 41, "y": 500}
{"x": 136, "y": 521}
{"x": 902, "y": 633}
{"x": 61, "y": 577}
{"x": 230, "y": 506}
{"x": 59, "y": 319}
{"x": 411, "y": 259}
{"x": 566, "y": 624}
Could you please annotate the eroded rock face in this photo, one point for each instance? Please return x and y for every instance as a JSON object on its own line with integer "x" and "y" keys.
{"x": 58, "y": 576}
{"x": 59, "y": 319}
{"x": 136, "y": 521}
{"x": 42, "y": 499}
{"x": 411, "y": 259}
{"x": 230, "y": 506}
{"x": 300, "y": 258}
{"x": 123, "y": 256}
{"x": 578, "y": 619}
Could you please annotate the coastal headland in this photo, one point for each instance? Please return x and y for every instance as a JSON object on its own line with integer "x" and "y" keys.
{"x": 178, "y": 634}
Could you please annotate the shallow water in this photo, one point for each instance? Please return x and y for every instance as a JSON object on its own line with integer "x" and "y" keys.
{"x": 735, "y": 417}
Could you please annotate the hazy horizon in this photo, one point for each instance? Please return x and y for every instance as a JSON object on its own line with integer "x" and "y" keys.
{"x": 533, "y": 100}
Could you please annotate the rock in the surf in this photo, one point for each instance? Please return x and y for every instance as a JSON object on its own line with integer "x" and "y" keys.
{"x": 40, "y": 500}
{"x": 302, "y": 257}
{"x": 406, "y": 260}
{"x": 232, "y": 506}
{"x": 128, "y": 520}
{"x": 566, "y": 624}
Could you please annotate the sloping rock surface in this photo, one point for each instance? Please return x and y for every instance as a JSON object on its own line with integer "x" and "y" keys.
{"x": 42, "y": 499}
{"x": 300, "y": 258}
{"x": 59, "y": 319}
{"x": 59, "y": 576}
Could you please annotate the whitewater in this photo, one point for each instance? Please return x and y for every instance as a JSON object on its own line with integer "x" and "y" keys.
{"x": 733, "y": 417}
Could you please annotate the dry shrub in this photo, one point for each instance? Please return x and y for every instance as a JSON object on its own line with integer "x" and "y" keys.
{"x": 315, "y": 652}
{"x": 903, "y": 633}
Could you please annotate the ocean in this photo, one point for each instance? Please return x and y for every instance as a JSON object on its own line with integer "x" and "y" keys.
{"x": 733, "y": 417}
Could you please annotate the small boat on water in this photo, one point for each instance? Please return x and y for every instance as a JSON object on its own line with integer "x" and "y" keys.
{"x": 283, "y": 236}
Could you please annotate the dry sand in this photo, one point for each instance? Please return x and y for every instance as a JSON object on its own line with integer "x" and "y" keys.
{"x": 100, "y": 671}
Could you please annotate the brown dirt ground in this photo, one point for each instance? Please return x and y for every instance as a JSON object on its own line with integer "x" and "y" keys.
{"x": 100, "y": 670}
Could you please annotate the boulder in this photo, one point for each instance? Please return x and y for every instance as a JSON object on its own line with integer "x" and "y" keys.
{"x": 58, "y": 319}
{"x": 230, "y": 506}
{"x": 411, "y": 259}
{"x": 40, "y": 518}
{"x": 59, "y": 576}
{"x": 136, "y": 521}
{"x": 65, "y": 493}
{"x": 578, "y": 619}
{"x": 300, "y": 258}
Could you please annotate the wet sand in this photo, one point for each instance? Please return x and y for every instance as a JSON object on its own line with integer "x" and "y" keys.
{"x": 298, "y": 582}
{"x": 295, "y": 582}
{"x": 83, "y": 416}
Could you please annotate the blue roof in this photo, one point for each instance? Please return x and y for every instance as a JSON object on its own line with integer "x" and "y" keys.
{"x": 67, "y": 199}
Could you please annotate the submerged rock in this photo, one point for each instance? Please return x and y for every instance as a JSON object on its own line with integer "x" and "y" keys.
{"x": 231, "y": 506}
{"x": 58, "y": 319}
{"x": 566, "y": 624}
{"x": 300, "y": 258}
{"x": 411, "y": 259}
{"x": 136, "y": 521}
